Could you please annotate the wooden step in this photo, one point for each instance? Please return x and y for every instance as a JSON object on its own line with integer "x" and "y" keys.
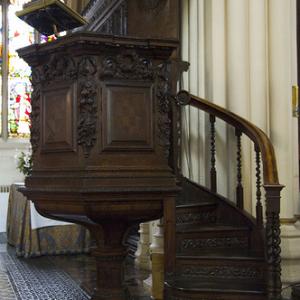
{"x": 226, "y": 254}
{"x": 250, "y": 269}
{"x": 196, "y": 214}
{"x": 191, "y": 289}
{"x": 296, "y": 293}
{"x": 190, "y": 239}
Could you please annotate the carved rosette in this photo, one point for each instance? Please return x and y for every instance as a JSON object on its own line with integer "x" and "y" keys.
{"x": 87, "y": 119}
{"x": 131, "y": 66}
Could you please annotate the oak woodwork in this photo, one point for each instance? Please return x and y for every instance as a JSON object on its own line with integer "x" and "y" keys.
{"x": 101, "y": 137}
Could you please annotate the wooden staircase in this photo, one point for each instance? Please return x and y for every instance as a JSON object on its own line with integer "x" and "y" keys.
{"x": 221, "y": 252}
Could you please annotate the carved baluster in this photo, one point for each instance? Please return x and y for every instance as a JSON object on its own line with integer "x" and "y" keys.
{"x": 259, "y": 208}
{"x": 213, "y": 172}
{"x": 273, "y": 241}
{"x": 239, "y": 188}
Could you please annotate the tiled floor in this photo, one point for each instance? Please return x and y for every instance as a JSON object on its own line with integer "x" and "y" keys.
{"x": 80, "y": 268}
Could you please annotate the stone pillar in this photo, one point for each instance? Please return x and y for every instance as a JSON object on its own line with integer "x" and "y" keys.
{"x": 282, "y": 64}
{"x": 142, "y": 254}
{"x": 238, "y": 89}
{"x": 155, "y": 283}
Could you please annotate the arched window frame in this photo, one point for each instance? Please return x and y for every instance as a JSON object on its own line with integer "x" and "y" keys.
{"x": 4, "y": 128}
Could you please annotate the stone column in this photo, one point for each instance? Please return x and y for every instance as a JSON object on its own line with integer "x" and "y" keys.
{"x": 238, "y": 89}
{"x": 282, "y": 63}
{"x": 142, "y": 254}
{"x": 155, "y": 283}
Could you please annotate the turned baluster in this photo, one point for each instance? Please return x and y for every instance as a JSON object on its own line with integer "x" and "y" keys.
{"x": 213, "y": 172}
{"x": 259, "y": 208}
{"x": 239, "y": 188}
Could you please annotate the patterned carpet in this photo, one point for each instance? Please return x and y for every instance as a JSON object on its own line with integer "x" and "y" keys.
{"x": 6, "y": 290}
{"x": 35, "y": 279}
{"x": 61, "y": 277}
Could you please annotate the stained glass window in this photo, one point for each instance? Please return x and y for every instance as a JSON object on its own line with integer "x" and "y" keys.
{"x": 19, "y": 86}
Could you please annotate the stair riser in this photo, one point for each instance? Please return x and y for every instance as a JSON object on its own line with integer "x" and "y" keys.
{"x": 203, "y": 241}
{"x": 220, "y": 269}
{"x": 181, "y": 295}
{"x": 196, "y": 215}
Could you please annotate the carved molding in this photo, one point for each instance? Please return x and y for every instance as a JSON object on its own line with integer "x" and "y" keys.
{"x": 222, "y": 272}
{"x": 87, "y": 112}
{"x": 87, "y": 120}
{"x": 35, "y": 115}
{"x": 229, "y": 242}
{"x": 163, "y": 92}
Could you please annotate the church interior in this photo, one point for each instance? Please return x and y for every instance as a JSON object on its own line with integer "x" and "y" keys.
{"x": 149, "y": 149}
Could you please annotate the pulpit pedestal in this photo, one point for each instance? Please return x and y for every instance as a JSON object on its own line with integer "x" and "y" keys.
{"x": 101, "y": 136}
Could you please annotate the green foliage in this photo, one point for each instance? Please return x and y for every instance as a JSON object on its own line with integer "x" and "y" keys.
{"x": 25, "y": 163}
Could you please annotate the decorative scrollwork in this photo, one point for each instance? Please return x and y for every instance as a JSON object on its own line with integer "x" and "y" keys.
{"x": 35, "y": 119}
{"x": 239, "y": 272}
{"x": 87, "y": 66}
{"x": 127, "y": 66}
{"x": 87, "y": 123}
{"x": 229, "y": 242}
{"x": 191, "y": 218}
{"x": 163, "y": 92}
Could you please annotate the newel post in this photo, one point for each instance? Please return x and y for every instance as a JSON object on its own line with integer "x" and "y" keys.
{"x": 273, "y": 241}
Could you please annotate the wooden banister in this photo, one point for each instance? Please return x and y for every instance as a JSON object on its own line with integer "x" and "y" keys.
{"x": 259, "y": 138}
{"x": 264, "y": 152}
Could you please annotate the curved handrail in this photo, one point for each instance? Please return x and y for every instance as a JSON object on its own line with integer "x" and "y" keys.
{"x": 259, "y": 138}
{"x": 271, "y": 184}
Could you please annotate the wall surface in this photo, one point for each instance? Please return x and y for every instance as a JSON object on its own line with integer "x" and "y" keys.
{"x": 243, "y": 57}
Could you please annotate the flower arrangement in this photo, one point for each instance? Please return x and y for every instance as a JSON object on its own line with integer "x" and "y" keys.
{"x": 24, "y": 163}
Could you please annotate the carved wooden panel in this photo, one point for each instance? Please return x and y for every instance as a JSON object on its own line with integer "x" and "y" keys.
{"x": 127, "y": 117}
{"x": 58, "y": 117}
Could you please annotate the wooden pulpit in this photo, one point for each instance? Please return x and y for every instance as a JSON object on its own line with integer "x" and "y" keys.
{"x": 102, "y": 134}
